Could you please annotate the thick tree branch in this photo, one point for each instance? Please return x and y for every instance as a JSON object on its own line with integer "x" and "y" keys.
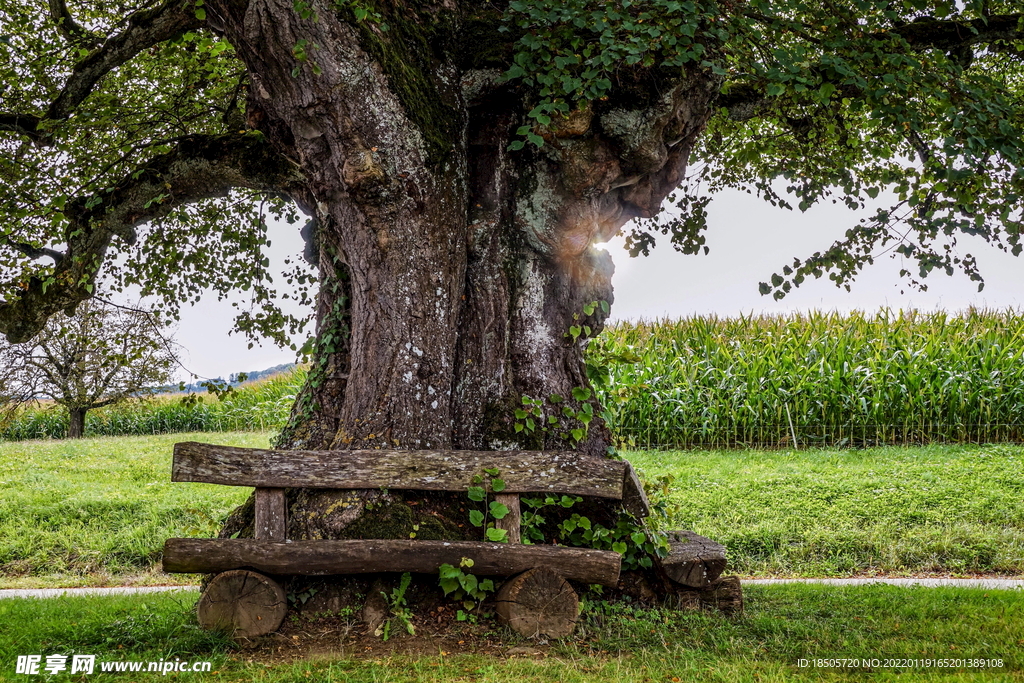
{"x": 68, "y": 27}
{"x": 953, "y": 35}
{"x": 201, "y": 167}
{"x": 746, "y": 101}
{"x": 146, "y": 28}
{"x": 35, "y": 252}
{"x": 23, "y": 124}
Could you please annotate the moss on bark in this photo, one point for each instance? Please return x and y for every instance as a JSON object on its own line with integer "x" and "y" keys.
{"x": 416, "y": 41}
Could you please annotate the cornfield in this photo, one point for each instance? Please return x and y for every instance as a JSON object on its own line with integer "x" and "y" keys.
{"x": 259, "y": 405}
{"x": 706, "y": 382}
{"x": 816, "y": 379}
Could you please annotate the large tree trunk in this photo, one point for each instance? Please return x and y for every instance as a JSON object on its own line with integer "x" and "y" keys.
{"x": 451, "y": 268}
{"x": 76, "y": 422}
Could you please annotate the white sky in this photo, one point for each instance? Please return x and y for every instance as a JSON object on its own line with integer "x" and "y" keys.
{"x": 749, "y": 240}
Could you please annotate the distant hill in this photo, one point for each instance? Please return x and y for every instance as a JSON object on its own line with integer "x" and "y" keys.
{"x": 233, "y": 379}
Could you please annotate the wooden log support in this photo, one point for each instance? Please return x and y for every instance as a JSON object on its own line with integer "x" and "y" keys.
{"x": 243, "y": 603}
{"x": 724, "y": 594}
{"x": 510, "y": 522}
{"x": 693, "y": 560}
{"x": 318, "y": 558}
{"x": 271, "y": 515}
{"x": 538, "y": 603}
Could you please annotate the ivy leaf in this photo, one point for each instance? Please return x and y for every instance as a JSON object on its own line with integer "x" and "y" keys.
{"x": 619, "y": 547}
{"x": 476, "y": 493}
{"x": 497, "y": 535}
{"x": 497, "y": 485}
{"x": 468, "y": 582}
{"x": 498, "y": 510}
{"x": 476, "y": 518}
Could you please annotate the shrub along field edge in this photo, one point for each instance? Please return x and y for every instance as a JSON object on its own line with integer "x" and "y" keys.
{"x": 254, "y": 406}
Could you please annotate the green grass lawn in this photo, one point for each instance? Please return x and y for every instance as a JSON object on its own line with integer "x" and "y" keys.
{"x": 97, "y": 511}
{"x": 613, "y": 643}
{"x": 943, "y": 509}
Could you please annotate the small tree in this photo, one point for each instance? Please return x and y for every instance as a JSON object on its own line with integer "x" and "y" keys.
{"x": 100, "y": 356}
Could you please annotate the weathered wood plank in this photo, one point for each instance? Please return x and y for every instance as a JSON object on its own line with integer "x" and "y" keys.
{"x": 318, "y": 558}
{"x": 509, "y": 522}
{"x": 271, "y": 514}
{"x": 693, "y": 560}
{"x": 634, "y": 499}
{"x": 523, "y": 471}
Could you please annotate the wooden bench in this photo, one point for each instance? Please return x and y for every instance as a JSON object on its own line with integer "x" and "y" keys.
{"x": 243, "y": 598}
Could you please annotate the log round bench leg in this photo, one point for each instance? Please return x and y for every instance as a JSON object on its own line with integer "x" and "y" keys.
{"x": 244, "y": 603}
{"x": 539, "y": 602}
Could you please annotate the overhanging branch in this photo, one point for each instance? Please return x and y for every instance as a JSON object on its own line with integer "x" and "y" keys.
{"x": 746, "y": 101}
{"x": 146, "y": 28}
{"x": 68, "y": 27}
{"x": 952, "y": 35}
{"x": 201, "y": 167}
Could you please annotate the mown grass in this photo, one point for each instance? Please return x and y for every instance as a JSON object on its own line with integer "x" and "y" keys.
{"x": 97, "y": 511}
{"x": 816, "y": 379}
{"x": 255, "y": 406}
{"x": 894, "y": 510}
{"x": 781, "y": 625}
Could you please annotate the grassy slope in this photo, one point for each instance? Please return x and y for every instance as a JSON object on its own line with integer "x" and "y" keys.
{"x": 945, "y": 509}
{"x": 75, "y": 512}
{"x": 612, "y": 643}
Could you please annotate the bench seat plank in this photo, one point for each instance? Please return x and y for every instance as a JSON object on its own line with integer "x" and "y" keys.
{"x": 317, "y": 558}
{"x": 562, "y": 472}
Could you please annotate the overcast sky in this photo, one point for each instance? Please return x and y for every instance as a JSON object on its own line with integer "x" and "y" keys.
{"x": 749, "y": 240}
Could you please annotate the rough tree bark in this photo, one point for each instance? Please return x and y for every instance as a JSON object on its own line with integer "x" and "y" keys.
{"x": 451, "y": 268}
{"x": 76, "y": 423}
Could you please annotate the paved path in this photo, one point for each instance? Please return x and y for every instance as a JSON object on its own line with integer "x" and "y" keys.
{"x": 119, "y": 590}
{"x": 931, "y": 583}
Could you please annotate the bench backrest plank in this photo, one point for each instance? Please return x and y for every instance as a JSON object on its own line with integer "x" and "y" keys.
{"x": 522, "y": 471}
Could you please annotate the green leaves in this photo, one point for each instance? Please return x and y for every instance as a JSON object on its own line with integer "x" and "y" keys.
{"x": 581, "y": 393}
{"x": 570, "y": 51}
